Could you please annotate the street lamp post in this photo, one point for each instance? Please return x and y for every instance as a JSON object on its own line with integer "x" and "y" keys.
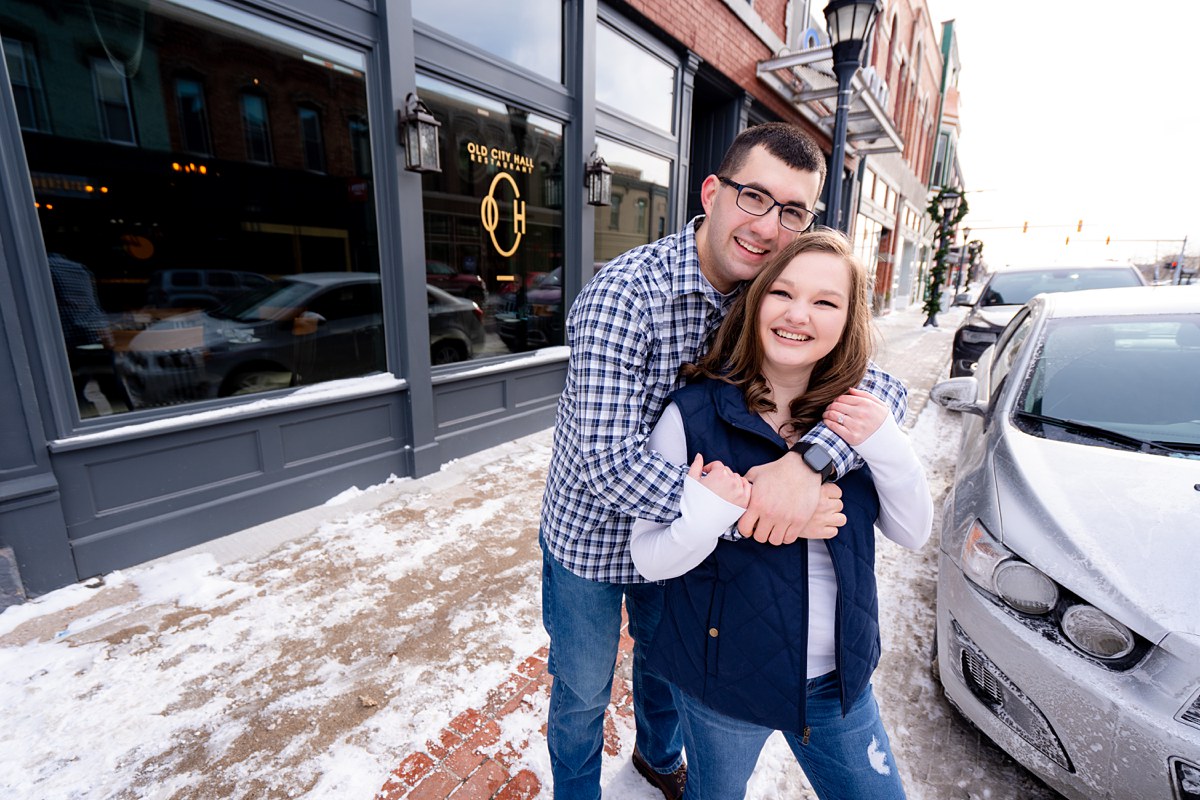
{"x": 962, "y": 257}
{"x": 849, "y": 24}
{"x": 949, "y": 202}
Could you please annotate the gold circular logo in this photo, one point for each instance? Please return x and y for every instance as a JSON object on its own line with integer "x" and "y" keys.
{"x": 489, "y": 214}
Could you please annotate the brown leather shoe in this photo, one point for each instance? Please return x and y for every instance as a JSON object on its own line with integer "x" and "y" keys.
{"x": 669, "y": 783}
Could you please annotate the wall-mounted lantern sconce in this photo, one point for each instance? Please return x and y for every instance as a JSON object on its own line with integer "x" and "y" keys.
{"x": 418, "y": 129}
{"x": 597, "y": 177}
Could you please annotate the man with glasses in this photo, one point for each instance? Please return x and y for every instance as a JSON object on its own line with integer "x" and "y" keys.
{"x": 644, "y": 315}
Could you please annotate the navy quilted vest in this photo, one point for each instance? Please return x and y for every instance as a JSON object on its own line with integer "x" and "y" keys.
{"x": 734, "y": 631}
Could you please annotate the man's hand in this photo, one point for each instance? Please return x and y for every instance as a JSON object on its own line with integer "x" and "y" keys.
{"x": 721, "y": 481}
{"x": 786, "y": 496}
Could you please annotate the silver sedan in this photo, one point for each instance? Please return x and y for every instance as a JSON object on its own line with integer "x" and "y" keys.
{"x": 1068, "y": 620}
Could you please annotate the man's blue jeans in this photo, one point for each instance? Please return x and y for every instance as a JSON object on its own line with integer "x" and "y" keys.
{"x": 583, "y": 619}
{"x": 846, "y": 758}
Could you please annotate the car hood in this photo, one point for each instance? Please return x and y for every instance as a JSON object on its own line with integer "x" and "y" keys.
{"x": 1118, "y": 528}
{"x": 996, "y": 316}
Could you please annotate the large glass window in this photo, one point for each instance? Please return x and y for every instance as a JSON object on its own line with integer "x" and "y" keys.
{"x": 640, "y": 179}
{"x": 312, "y": 141}
{"x": 633, "y": 81}
{"x": 493, "y": 227}
{"x": 528, "y": 33}
{"x": 181, "y": 276}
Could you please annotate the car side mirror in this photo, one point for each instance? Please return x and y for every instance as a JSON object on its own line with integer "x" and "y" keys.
{"x": 959, "y": 394}
{"x": 306, "y": 323}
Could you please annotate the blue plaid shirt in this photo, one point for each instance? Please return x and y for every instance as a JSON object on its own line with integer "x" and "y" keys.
{"x": 643, "y": 316}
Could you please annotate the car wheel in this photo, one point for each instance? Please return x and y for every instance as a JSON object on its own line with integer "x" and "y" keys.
{"x": 256, "y": 381}
{"x": 447, "y": 351}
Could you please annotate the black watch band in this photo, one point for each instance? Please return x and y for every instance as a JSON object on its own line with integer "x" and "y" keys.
{"x": 817, "y": 458}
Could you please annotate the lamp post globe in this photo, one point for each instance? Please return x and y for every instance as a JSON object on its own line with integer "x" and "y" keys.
{"x": 849, "y": 23}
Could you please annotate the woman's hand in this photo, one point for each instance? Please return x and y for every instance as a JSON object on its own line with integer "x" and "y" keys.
{"x": 855, "y": 416}
{"x": 721, "y": 481}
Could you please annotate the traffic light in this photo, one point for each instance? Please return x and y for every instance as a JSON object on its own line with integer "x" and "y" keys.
{"x": 1079, "y": 227}
{"x": 1025, "y": 229}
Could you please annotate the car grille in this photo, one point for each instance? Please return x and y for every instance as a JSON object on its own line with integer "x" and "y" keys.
{"x": 1191, "y": 714}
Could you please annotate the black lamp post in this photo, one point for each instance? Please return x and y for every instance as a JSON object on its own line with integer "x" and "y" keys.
{"x": 962, "y": 259}
{"x": 849, "y": 23}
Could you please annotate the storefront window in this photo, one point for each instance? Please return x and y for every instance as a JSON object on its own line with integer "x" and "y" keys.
{"x": 633, "y": 81}
{"x": 493, "y": 227}
{"x": 528, "y": 33}
{"x": 193, "y": 260}
{"x": 643, "y": 182}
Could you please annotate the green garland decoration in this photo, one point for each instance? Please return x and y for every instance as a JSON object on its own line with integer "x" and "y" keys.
{"x": 933, "y": 295}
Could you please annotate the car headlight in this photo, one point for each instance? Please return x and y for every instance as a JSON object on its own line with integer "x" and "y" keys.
{"x": 1096, "y": 633}
{"x": 998, "y": 570}
{"x": 976, "y": 336}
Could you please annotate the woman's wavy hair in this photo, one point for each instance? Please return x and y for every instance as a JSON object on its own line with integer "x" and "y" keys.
{"x": 737, "y": 353}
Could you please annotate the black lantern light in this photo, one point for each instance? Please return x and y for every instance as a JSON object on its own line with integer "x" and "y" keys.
{"x": 597, "y": 177}
{"x": 419, "y": 129}
{"x": 849, "y": 23}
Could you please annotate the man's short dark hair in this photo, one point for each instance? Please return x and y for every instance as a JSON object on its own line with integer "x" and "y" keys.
{"x": 787, "y": 142}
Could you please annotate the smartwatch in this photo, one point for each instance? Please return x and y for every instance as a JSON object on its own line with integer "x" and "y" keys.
{"x": 817, "y": 458}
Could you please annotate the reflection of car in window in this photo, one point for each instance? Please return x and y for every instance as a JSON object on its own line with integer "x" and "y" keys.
{"x": 538, "y": 321}
{"x": 464, "y": 284}
{"x": 300, "y": 330}
{"x": 200, "y": 288}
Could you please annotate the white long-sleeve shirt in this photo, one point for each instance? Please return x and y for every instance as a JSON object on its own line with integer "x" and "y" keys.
{"x": 663, "y": 551}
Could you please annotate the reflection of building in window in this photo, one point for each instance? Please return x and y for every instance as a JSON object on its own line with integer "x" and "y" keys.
{"x": 193, "y": 117}
{"x": 112, "y": 102}
{"x": 614, "y": 212}
{"x": 257, "y": 128}
{"x": 641, "y": 213}
{"x": 26, "y": 82}
{"x": 311, "y": 140}
{"x": 360, "y": 145}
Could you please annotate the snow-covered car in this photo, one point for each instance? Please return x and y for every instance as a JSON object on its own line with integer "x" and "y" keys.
{"x": 1068, "y": 627}
{"x": 1005, "y": 291}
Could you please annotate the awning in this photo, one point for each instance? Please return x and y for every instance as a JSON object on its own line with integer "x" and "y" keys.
{"x": 806, "y": 80}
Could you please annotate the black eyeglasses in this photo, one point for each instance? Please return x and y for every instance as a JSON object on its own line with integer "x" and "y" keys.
{"x": 757, "y": 202}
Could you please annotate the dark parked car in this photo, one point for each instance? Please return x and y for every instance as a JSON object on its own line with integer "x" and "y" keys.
{"x": 300, "y": 330}
{"x": 463, "y": 284}
{"x": 1007, "y": 290}
{"x": 1067, "y": 628}
{"x": 537, "y": 319}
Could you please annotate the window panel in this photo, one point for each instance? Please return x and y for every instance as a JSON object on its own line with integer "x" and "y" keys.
{"x": 632, "y": 80}
{"x": 528, "y": 33}
{"x": 493, "y": 227}
{"x": 642, "y": 179}
{"x": 209, "y": 260}
{"x": 25, "y": 76}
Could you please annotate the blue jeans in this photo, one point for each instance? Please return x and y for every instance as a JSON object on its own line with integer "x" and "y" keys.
{"x": 846, "y": 758}
{"x": 583, "y": 619}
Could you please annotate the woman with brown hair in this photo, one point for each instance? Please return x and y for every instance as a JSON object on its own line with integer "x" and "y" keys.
{"x": 754, "y": 637}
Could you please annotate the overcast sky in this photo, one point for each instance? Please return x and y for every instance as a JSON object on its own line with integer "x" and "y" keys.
{"x": 1079, "y": 110}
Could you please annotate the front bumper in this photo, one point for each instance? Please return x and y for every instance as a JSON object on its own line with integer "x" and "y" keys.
{"x": 1085, "y": 730}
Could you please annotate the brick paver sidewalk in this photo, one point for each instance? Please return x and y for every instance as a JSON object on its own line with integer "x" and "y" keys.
{"x": 469, "y": 762}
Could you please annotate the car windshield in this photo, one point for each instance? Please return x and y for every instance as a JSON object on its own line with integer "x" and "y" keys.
{"x": 1016, "y": 288}
{"x": 281, "y": 300}
{"x": 1136, "y": 377}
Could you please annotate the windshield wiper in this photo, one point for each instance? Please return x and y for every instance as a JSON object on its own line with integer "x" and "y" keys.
{"x": 1145, "y": 445}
